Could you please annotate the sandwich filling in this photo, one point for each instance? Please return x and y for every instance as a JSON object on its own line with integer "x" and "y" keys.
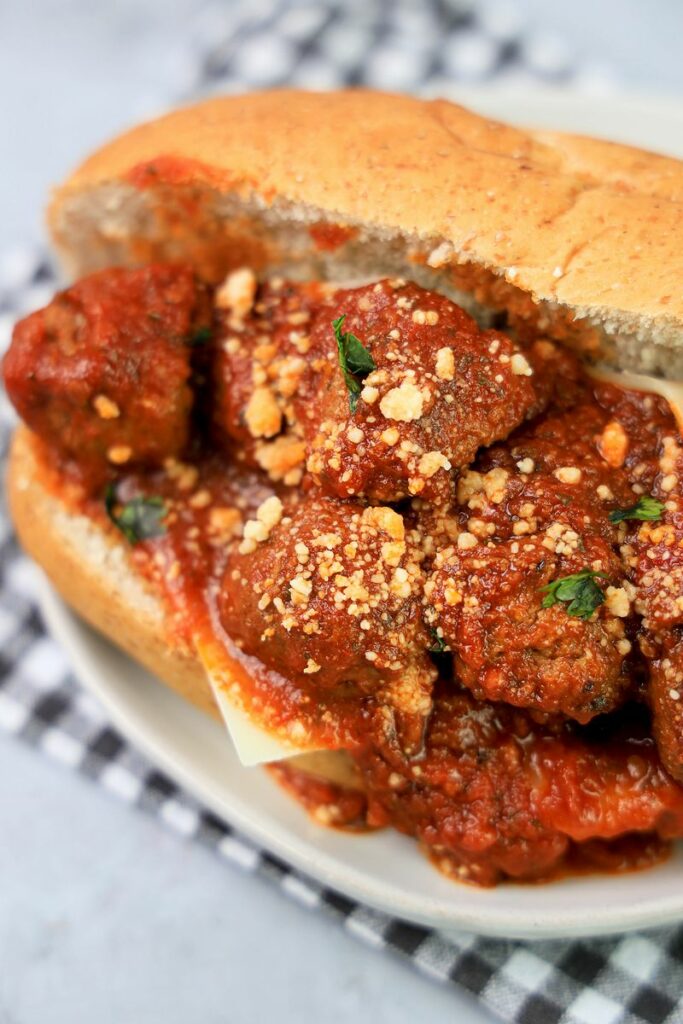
{"x": 447, "y": 551}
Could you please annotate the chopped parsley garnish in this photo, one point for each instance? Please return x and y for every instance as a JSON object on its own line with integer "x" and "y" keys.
{"x": 580, "y": 592}
{"x": 201, "y": 336}
{"x": 354, "y": 360}
{"x": 647, "y": 509}
{"x": 137, "y": 519}
{"x": 438, "y": 645}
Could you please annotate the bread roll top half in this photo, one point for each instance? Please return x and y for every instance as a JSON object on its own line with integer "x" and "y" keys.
{"x": 573, "y": 237}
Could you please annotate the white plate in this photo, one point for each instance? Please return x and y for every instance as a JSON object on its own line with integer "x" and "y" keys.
{"x": 385, "y": 870}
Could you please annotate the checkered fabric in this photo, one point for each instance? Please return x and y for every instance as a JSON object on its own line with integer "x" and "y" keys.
{"x": 637, "y": 979}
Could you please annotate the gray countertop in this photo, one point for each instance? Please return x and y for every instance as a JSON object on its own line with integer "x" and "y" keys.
{"x": 104, "y": 915}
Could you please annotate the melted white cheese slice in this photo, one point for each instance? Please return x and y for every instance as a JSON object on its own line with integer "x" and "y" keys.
{"x": 671, "y": 390}
{"x": 253, "y": 744}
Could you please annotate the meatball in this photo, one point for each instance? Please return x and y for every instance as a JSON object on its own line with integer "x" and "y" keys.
{"x": 441, "y": 389}
{"x": 656, "y": 547}
{"x": 666, "y": 701}
{"x": 655, "y": 550}
{"x": 643, "y": 436}
{"x": 329, "y": 595}
{"x": 529, "y": 517}
{"x": 384, "y": 389}
{"x": 496, "y": 795}
{"x": 488, "y": 604}
{"x": 101, "y": 373}
{"x": 258, "y": 361}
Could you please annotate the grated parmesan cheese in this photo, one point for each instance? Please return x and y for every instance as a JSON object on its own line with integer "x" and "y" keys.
{"x": 404, "y": 403}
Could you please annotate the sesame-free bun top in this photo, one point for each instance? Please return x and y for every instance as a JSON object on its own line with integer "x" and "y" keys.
{"x": 578, "y": 237}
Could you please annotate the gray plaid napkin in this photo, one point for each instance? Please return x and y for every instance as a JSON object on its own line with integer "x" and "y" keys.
{"x": 634, "y": 979}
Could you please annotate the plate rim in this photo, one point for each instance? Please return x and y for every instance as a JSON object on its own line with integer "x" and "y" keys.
{"x": 325, "y": 868}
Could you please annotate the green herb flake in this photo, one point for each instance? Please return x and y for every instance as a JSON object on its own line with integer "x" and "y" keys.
{"x": 201, "y": 336}
{"x": 580, "y": 592}
{"x": 438, "y": 645}
{"x": 355, "y": 361}
{"x": 646, "y": 509}
{"x": 137, "y": 519}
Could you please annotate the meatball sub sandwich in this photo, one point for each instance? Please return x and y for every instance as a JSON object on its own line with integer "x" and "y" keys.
{"x": 359, "y": 428}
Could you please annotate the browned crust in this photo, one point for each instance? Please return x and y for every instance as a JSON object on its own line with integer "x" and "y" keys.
{"x": 72, "y": 552}
{"x": 595, "y": 226}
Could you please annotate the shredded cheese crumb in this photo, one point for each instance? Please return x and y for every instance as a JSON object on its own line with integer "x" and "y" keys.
{"x": 393, "y": 551}
{"x": 202, "y": 499}
{"x": 390, "y": 436}
{"x": 431, "y": 463}
{"x": 617, "y": 602}
{"x": 281, "y": 457}
{"x": 472, "y": 485}
{"x": 119, "y": 453}
{"x": 613, "y": 444}
{"x": 422, "y": 316}
{"x": 386, "y": 520}
{"x": 105, "y": 408}
{"x": 520, "y": 366}
{"x": 262, "y": 414}
{"x": 300, "y": 590}
{"x": 445, "y": 364}
{"x": 268, "y": 515}
{"x": 568, "y": 474}
{"x": 237, "y": 292}
{"x": 224, "y": 521}
{"x": 404, "y": 403}
{"x": 466, "y": 541}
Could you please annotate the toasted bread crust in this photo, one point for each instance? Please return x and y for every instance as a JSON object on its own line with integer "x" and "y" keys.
{"x": 596, "y": 227}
